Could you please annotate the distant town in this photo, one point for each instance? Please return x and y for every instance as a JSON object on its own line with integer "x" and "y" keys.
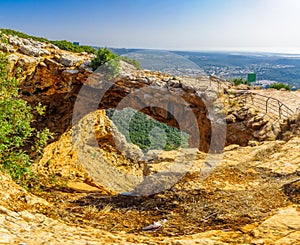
{"x": 269, "y": 68}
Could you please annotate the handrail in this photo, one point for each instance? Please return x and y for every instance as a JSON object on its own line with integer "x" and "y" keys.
{"x": 220, "y": 82}
{"x": 269, "y": 103}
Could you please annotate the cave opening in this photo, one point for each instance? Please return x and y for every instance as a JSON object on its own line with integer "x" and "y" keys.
{"x": 146, "y": 132}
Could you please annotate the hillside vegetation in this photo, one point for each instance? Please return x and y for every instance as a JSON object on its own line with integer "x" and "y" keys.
{"x": 145, "y": 132}
{"x": 62, "y": 44}
{"x": 103, "y": 55}
{"x": 16, "y": 116}
{"x": 279, "y": 86}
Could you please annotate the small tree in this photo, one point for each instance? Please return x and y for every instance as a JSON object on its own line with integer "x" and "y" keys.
{"x": 238, "y": 81}
{"x": 103, "y": 57}
{"x": 15, "y": 127}
{"x": 279, "y": 86}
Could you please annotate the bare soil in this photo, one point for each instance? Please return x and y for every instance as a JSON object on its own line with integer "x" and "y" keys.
{"x": 229, "y": 199}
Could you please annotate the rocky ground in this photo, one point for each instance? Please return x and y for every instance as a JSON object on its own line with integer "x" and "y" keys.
{"x": 251, "y": 197}
{"x": 246, "y": 195}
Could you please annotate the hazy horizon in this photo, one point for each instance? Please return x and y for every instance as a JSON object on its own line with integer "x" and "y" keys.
{"x": 258, "y": 50}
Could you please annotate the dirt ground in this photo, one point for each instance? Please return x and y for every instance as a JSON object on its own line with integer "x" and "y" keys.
{"x": 229, "y": 199}
{"x": 243, "y": 199}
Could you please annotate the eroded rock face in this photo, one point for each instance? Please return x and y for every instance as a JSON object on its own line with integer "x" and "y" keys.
{"x": 93, "y": 149}
{"x": 197, "y": 106}
{"x": 56, "y": 79}
{"x": 252, "y": 190}
{"x": 245, "y": 192}
{"x": 16, "y": 198}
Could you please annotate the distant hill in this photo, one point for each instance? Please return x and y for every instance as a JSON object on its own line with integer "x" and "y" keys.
{"x": 282, "y": 68}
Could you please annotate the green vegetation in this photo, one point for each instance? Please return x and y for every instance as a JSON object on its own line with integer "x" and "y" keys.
{"x": 68, "y": 46}
{"x": 23, "y": 35}
{"x": 62, "y": 44}
{"x": 279, "y": 86}
{"x": 238, "y": 81}
{"x": 109, "y": 63}
{"x": 3, "y": 39}
{"x": 104, "y": 57}
{"x": 146, "y": 132}
{"x": 133, "y": 62}
{"x": 16, "y": 116}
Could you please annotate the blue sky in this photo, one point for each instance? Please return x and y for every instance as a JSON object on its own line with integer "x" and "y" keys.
{"x": 248, "y": 25}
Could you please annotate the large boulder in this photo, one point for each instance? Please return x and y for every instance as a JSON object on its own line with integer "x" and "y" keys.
{"x": 33, "y": 51}
{"x": 70, "y": 60}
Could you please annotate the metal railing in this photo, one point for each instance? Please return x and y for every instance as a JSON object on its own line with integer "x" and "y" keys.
{"x": 270, "y": 106}
{"x": 222, "y": 84}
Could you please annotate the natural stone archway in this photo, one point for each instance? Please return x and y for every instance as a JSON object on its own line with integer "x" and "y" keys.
{"x": 185, "y": 103}
{"x": 56, "y": 84}
{"x": 55, "y": 77}
{"x": 166, "y": 98}
{"x": 57, "y": 87}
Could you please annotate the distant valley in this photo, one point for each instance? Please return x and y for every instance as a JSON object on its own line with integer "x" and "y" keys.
{"x": 283, "y": 68}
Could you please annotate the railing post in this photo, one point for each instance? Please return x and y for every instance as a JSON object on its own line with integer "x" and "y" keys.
{"x": 283, "y": 110}
{"x": 280, "y": 105}
{"x": 267, "y": 101}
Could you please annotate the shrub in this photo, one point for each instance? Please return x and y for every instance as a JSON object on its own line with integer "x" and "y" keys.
{"x": 103, "y": 56}
{"x": 15, "y": 128}
{"x": 107, "y": 62}
{"x": 68, "y": 46}
{"x": 23, "y": 35}
{"x": 279, "y": 86}
{"x": 238, "y": 81}
{"x": 133, "y": 62}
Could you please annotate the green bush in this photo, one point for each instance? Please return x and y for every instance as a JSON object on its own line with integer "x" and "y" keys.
{"x": 68, "y": 46}
{"x": 15, "y": 128}
{"x": 23, "y": 35}
{"x": 107, "y": 62}
{"x": 146, "y": 132}
{"x": 238, "y": 81}
{"x": 103, "y": 56}
{"x": 133, "y": 62}
{"x": 62, "y": 44}
{"x": 279, "y": 86}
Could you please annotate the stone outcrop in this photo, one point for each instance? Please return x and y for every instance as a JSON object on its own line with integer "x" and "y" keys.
{"x": 251, "y": 198}
{"x": 197, "y": 106}
{"x": 90, "y": 153}
{"x": 13, "y": 197}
